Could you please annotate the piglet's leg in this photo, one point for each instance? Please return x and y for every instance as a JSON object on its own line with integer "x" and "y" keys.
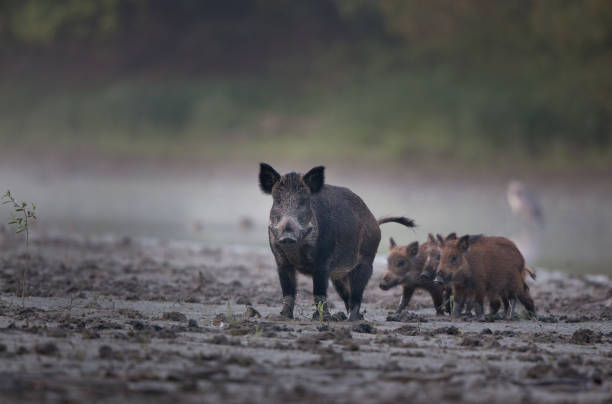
{"x": 406, "y": 296}
{"x": 512, "y": 304}
{"x": 479, "y": 306}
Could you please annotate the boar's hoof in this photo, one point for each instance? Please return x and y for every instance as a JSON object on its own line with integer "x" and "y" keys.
{"x": 355, "y": 316}
{"x": 288, "y": 303}
{"x": 286, "y": 312}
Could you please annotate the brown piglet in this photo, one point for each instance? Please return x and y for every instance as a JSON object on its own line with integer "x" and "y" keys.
{"x": 485, "y": 267}
{"x": 406, "y": 265}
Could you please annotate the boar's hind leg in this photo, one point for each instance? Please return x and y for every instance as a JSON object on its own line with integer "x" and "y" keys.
{"x": 286, "y": 274}
{"x": 359, "y": 278}
{"x": 343, "y": 289}
{"x": 406, "y": 296}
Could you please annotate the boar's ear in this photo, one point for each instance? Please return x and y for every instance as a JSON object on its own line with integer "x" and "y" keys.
{"x": 431, "y": 238}
{"x": 267, "y": 178}
{"x": 391, "y": 243}
{"x": 315, "y": 179}
{"x": 440, "y": 239}
{"x": 464, "y": 243}
{"x": 452, "y": 236}
{"x": 413, "y": 249}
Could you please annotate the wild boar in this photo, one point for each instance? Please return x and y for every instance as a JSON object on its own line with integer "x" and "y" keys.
{"x": 490, "y": 267}
{"x": 322, "y": 231}
{"x": 406, "y": 266}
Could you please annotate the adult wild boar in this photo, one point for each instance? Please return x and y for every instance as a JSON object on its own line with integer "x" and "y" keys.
{"x": 323, "y": 231}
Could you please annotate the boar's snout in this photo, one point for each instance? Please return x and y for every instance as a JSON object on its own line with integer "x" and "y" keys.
{"x": 387, "y": 282}
{"x": 441, "y": 279}
{"x": 289, "y": 231}
{"x": 384, "y": 285}
{"x": 425, "y": 277}
{"x": 287, "y": 239}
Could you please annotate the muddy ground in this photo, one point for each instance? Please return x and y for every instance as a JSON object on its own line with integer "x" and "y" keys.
{"x": 139, "y": 320}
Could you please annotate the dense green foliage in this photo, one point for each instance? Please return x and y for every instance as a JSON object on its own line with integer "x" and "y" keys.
{"x": 400, "y": 79}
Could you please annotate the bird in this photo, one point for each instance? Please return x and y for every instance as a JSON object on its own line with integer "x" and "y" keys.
{"x": 524, "y": 203}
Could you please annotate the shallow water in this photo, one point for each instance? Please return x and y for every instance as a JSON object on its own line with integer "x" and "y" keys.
{"x": 211, "y": 206}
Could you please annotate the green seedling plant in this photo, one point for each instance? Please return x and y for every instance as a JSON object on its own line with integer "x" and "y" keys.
{"x": 258, "y": 333}
{"x": 230, "y": 317}
{"x": 22, "y": 214}
{"x": 320, "y": 307}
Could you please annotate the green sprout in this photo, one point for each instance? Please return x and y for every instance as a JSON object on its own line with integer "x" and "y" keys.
{"x": 22, "y": 214}
{"x": 321, "y": 310}
{"x": 230, "y": 317}
{"x": 258, "y": 333}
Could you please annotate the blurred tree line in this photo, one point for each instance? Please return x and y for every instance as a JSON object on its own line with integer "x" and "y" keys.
{"x": 478, "y": 76}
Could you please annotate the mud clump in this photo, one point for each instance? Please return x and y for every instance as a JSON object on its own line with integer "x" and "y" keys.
{"x": 406, "y": 317}
{"x": 452, "y": 330}
{"x": 48, "y": 348}
{"x": 251, "y": 312}
{"x": 174, "y": 316}
{"x": 364, "y": 328}
{"x": 483, "y": 341}
{"x": 585, "y": 336}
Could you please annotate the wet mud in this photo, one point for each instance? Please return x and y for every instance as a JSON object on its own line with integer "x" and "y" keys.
{"x": 122, "y": 319}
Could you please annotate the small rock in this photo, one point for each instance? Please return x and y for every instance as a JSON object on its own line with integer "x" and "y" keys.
{"x": 486, "y": 331}
{"x": 192, "y": 323}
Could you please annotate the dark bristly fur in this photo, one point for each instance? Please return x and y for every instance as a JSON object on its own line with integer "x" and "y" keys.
{"x": 323, "y": 231}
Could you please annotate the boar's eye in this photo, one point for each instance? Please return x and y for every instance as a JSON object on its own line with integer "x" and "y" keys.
{"x": 453, "y": 259}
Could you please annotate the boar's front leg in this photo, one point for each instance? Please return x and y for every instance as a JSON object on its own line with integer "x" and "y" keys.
{"x": 406, "y": 296}
{"x": 286, "y": 274}
{"x": 320, "y": 282}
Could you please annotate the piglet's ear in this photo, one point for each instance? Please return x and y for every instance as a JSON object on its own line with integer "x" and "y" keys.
{"x": 440, "y": 239}
{"x": 452, "y": 236}
{"x": 413, "y": 249}
{"x": 267, "y": 178}
{"x": 315, "y": 179}
{"x": 464, "y": 243}
{"x": 392, "y": 243}
{"x": 431, "y": 238}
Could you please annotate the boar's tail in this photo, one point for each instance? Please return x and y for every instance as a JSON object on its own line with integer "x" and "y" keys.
{"x": 397, "y": 219}
{"x": 531, "y": 273}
